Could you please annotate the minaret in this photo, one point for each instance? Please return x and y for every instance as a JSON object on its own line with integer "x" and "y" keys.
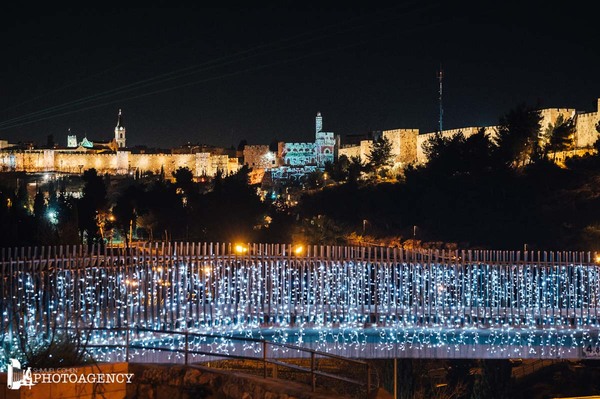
{"x": 319, "y": 123}
{"x": 120, "y": 131}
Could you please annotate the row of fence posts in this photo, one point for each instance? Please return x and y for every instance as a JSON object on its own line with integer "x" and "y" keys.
{"x": 193, "y": 250}
{"x": 44, "y": 264}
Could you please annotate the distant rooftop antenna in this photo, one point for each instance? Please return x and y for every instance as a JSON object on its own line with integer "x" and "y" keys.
{"x": 440, "y": 77}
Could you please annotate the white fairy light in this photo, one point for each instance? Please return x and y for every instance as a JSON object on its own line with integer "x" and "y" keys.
{"x": 333, "y": 304}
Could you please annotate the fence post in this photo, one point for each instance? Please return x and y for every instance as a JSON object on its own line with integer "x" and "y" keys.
{"x": 313, "y": 376}
{"x": 127, "y": 345}
{"x": 186, "y": 347}
{"x": 264, "y": 348}
{"x": 368, "y": 379}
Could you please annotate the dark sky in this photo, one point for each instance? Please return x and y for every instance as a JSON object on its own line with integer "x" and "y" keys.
{"x": 218, "y": 76}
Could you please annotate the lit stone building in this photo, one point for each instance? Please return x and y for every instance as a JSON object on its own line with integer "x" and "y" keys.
{"x": 298, "y": 159}
{"x": 112, "y": 157}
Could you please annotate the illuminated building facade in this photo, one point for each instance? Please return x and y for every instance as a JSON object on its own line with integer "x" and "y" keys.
{"x": 298, "y": 159}
{"x": 112, "y": 157}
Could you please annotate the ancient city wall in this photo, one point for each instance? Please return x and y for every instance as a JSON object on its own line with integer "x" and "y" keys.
{"x": 77, "y": 162}
{"x": 258, "y": 156}
{"x": 121, "y": 162}
{"x": 586, "y": 133}
{"x": 365, "y": 149}
{"x": 550, "y": 115}
{"x": 349, "y": 152}
{"x": 404, "y": 142}
{"x": 156, "y": 162}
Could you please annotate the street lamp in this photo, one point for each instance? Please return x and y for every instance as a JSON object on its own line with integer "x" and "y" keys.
{"x": 298, "y": 250}
{"x": 240, "y": 249}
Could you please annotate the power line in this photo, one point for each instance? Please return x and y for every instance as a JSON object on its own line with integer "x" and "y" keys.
{"x": 23, "y": 120}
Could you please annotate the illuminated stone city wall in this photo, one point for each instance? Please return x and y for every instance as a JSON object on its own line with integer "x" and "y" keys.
{"x": 407, "y": 144}
{"x": 77, "y": 162}
{"x": 407, "y": 147}
{"x": 219, "y": 163}
{"x": 361, "y": 151}
{"x": 350, "y": 151}
{"x": 156, "y": 162}
{"x": 233, "y": 165}
{"x": 404, "y": 145}
{"x": 586, "y": 133}
{"x": 550, "y": 115}
{"x": 259, "y": 157}
{"x": 365, "y": 149}
{"x": 121, "y": 162}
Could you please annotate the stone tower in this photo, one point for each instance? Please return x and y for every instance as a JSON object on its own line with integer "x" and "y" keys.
{"x": 318, "y": 123}
{"x": 324, "y": 143}
{"x": 120, "y": 131}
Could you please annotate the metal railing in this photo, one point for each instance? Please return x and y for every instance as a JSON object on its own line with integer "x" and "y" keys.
{"x": 192, "y": 340}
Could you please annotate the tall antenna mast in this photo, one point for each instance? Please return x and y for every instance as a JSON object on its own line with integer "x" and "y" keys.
{"x": 440, "y": 77}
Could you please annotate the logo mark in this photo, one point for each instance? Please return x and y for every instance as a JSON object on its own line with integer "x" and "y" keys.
{"x": 16, "y": 378}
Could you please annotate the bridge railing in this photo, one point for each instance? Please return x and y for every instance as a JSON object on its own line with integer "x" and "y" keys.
{"x": 195, "y": 285}
{"x": 151, "y": 345}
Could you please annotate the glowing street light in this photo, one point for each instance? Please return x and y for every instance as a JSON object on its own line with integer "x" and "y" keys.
{"x": 298, "y": 250}
{"x": 240, "y": 249}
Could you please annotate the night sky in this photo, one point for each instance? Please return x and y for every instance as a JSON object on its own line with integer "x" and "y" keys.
{"x": 217, "y": 76}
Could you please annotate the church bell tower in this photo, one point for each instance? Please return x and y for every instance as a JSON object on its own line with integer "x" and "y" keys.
{"x": 120, "y": 131}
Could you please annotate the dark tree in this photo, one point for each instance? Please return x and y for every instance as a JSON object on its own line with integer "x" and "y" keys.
{"x": 314, "y": 179}
{"x": 518, "y": 136}
{"x": 22, "y": 196}
{"x": 448, "y": 156}
{"x": 232, "y": 211}
{"x": 381, "y": 154}
{"x": 597, "y": 142}
{"x": 184, "y": 178}
{"x": 338, "y": 170}
{"x": 126, "y": 209}
{"x": 560, "y": 135}
{"x": 355, "y": 167}
{"x": 39, "y": 205}
{"x": 92, "y": 202}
